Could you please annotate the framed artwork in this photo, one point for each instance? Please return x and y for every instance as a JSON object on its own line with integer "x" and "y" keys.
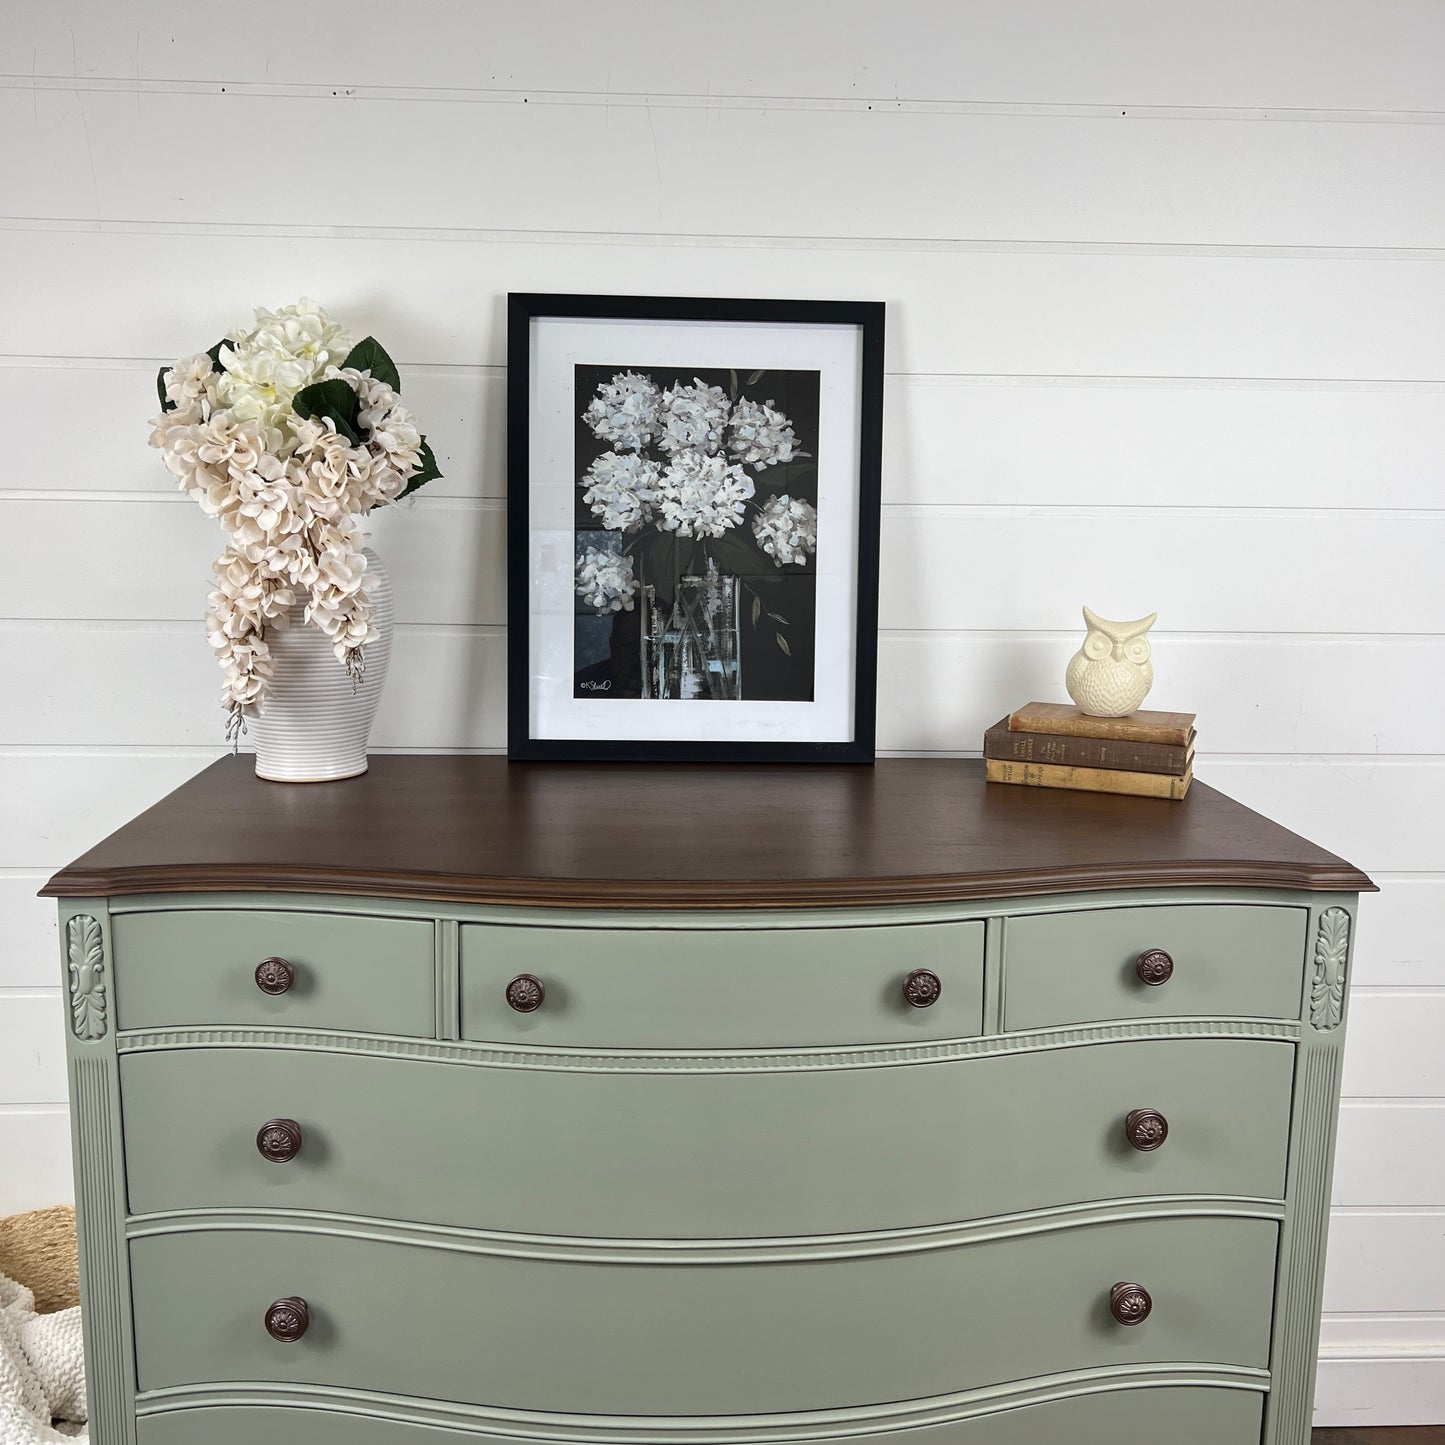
{"x": 693, "y": 492}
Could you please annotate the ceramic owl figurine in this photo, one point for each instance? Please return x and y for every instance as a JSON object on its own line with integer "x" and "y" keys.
{"x": 1111, "y": 674}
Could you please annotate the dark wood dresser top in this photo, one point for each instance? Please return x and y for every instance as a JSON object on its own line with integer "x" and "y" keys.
{"x": 481, "y": 830}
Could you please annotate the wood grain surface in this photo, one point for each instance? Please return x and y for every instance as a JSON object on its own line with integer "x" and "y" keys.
{"x": 478, "y": 829}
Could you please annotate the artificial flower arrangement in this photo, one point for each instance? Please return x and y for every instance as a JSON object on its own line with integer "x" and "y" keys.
{"x": 289, "y": 434}
{"x": 676, "y": 471}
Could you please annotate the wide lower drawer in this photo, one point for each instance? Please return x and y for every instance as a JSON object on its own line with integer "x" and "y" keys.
{"x": 704, "y": 1152}
{"x": 1188, "y": 1415}
{"x": 181, "y": 968}
{"x": 664, "y": 1337}
{"x": 1223, "y": 960}
{"x": 674, "y": 988}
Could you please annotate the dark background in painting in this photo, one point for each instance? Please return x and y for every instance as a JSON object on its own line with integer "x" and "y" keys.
{"x": 607, "y": 651}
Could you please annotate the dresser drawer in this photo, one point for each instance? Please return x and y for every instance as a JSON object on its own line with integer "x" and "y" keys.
{"x": 197, "y": 968}
{"x": 595, "y": 1333}
{"x": 1224, "y": 960}
{"x": 1184, "y": 1416}
{"x": 694, "y": 1154}
{"x": 734, "y": 988}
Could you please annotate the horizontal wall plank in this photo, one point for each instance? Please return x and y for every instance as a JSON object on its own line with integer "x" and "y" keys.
{"x": 946, "y": 439}
{"x": 1127, "y": 52}
{"x": 32, "y": 1048}
{"x": 1385, "y": 1261}
{"x": 1390, "y": 1155}
{"x": 79, "y": 154}
{"x": 1401, "y": 940}
{"x": 118, "y": 292}
{"x": 1393, "y": 1048}
{"x": 940, "y": 569}
{"x": 29, "y": 949}
{"x": 1382, "y": 815}
{"x": 61, "y": 804}
{"x": 99, "y": 684}
{"x": 35, "y": 1143}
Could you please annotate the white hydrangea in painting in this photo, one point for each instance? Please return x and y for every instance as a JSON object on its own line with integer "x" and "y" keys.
{"x": 702, "y": 495}
{"x": 692, "y": 418}
{"x": 761, "y": 437}
{"x": 288, "y": 434}
{"x": 624, "y": 411}
{"x": 622, "y": 489}
{"x": 786, "y": 528}
{"x": 605, "y": 580}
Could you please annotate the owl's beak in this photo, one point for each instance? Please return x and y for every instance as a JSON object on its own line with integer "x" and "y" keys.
{"x": 1118, "y": 652}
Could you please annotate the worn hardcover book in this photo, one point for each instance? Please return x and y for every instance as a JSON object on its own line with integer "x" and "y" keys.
{"x": 1087, "y": 780}
{"x": 1001, "y": 742}
{"x": 1173, "y": 729}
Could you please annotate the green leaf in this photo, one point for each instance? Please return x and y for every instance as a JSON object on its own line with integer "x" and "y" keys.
{"x": 425, "y": 473}
{"x": 333, "y": 400}
{"x": 370, "y": 355}
{"x": 166, "y": 403}
{"x": 215, "y": 354}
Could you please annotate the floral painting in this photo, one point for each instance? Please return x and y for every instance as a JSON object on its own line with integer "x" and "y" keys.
{"x": 696, "y": 533}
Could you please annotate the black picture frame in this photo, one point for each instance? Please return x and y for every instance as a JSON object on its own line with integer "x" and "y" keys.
{"x": 866, "y": 318}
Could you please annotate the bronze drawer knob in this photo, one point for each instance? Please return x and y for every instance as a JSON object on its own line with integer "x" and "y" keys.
{"x": 922, "y": 987}
{"x": 1145, "y": 1129}
{"x": 279, "y": 1140}
{"x": 525, "y": 993}
{"x": 1130, "y": 1303}
{"x": 1154, "y": 967}
{"x": 274, "y": 975}
{"x": 288, "y": 1319}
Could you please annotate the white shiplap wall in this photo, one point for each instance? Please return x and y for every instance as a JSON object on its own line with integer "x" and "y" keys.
{"x": 1166, "y": 330}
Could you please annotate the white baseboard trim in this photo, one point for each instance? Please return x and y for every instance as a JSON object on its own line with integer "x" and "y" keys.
{"x": 1381, "y": 1370}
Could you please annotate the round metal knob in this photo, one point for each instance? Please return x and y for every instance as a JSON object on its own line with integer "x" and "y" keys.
{"x": 288, "y": 1319}
{"x": 274, "y": 975}
{"x": 279, "y": 1140}
{"x": 1145, "y": 1129}
{"x": 1130, "y": 1303}
{"x": 525, "y": 993}
{"x": 1154, "y": 967}
{"x": 922, "y": 987}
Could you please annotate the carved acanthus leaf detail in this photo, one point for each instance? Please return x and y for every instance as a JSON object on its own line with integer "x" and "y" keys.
{"x": 1332, "y": 946}
{"x": 85, "y": 952}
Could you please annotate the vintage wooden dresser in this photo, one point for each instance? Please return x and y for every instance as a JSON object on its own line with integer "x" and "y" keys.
{"x": 467, "y": 1102}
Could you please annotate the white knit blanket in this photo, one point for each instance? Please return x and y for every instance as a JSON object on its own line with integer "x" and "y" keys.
{"x": 42, "y": 1371}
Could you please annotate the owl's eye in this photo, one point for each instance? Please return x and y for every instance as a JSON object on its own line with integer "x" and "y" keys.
{"x": 1138, "y": 650}
{"x": 1097, "y": 646}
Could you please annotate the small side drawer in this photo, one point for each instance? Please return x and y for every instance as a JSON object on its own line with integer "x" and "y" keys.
{"x": 675, "y": 988}
{"x": 1225, "y": 960}
{"x": 197, "y": 968}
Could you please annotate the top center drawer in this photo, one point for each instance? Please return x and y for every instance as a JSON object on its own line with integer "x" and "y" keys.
{"x": 736, "y": 988}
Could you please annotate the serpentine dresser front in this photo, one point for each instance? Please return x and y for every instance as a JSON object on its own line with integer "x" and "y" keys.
{"x": 470, "y": 1103}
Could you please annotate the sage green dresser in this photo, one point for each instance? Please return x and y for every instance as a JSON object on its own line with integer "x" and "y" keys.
{"x": 470, "y": 1102}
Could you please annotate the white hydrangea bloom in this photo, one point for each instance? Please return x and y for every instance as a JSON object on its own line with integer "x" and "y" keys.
{"x": 692, "y": 418}
{"x": 759, "y": 436}
{"x": 266, "y": 366}
{"x": 786, "y": 529}
{"x": 702, "y": 495}
{"x": 624, "y": 411}
{"x": 605, "y": 580}
{"x": 622, "y": 490}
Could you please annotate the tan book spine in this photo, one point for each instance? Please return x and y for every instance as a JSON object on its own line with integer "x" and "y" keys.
{"x": 1087, "y": 780}
{"x": 1173, "y": 729}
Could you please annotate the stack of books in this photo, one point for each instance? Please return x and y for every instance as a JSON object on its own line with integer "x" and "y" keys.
{"x": 1054, "y": 745}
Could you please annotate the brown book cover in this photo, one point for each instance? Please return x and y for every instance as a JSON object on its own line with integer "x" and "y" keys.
{"x": 1087, "y": 780}
{"x": 1130, "y": 757}
{"x": 1064, "y": 719}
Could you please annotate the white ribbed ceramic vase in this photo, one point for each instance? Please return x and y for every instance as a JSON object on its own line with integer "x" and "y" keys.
{"x": 316, "y": 723}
